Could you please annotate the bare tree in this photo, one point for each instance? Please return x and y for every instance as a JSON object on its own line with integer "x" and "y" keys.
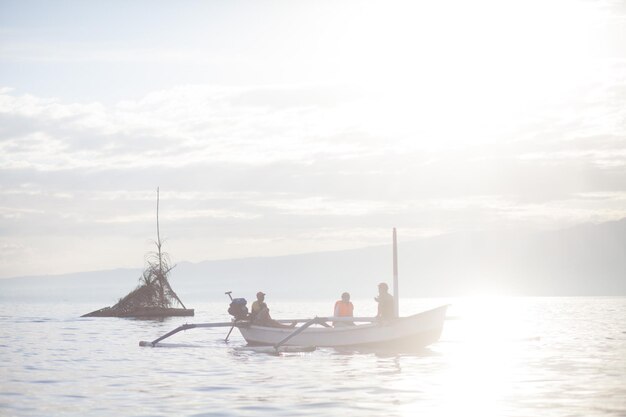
{"x": 154, "y": 289}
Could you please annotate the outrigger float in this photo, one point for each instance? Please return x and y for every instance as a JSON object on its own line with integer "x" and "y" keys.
{"x": 410, "y": 332}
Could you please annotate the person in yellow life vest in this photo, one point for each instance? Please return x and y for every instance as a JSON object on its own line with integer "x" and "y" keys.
{"x": 344, "y": 308}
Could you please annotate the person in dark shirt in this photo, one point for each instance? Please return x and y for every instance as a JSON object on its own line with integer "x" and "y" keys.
{"x": 258, "y": 305}
{"x": 260, "y": 313}
{"x": 386, "y": 310}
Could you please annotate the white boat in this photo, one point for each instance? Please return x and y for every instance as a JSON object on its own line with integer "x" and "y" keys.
{"x": 414, "y": 331}
{"x": 410, "y": 332}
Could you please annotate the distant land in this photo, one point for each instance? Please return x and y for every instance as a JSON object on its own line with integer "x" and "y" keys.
{"x": 587, "y": 260}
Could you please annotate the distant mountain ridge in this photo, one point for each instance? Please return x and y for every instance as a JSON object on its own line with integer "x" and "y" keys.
{"x": 583, "y": 260}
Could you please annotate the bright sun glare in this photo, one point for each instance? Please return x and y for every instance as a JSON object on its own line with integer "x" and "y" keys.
{"x": 483, "y": 351}
{"x": 459, "y": 74}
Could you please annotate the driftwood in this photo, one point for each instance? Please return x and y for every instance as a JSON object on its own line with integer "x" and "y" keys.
{"x": 154, "y": 297}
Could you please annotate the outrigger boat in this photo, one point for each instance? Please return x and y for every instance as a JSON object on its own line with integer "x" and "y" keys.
{"x": 410, "y": 332}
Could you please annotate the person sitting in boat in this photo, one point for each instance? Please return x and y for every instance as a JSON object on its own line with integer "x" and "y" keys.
{"x": 260, "y": 313}
{"x": 344, "y": 308}
{"x": 258, "y": 305}
{"x": 385, "y": 303}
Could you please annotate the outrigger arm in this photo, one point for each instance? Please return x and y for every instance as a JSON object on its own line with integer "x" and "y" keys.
{"x": 300, "y": 329}
{"x": 185, "y": 327}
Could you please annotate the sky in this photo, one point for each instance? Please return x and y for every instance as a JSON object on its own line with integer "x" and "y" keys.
{"x": 282, "y": 127}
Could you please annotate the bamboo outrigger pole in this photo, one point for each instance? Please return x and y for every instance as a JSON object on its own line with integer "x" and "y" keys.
{"x": 396, "y": 295}
{"x": 243, "y": 323}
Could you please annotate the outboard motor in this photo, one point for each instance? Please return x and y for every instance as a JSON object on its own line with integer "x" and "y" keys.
{"x": 238, "y": 308}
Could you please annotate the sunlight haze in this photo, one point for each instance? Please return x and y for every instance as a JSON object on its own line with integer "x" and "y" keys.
{"x": 285, "y": 127}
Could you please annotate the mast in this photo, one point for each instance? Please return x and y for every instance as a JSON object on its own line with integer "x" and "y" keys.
{"x": 159, "y": 235}
{"x": 396, "y": 295}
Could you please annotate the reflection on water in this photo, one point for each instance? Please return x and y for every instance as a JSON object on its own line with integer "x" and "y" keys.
{"x": 497, "y": 357}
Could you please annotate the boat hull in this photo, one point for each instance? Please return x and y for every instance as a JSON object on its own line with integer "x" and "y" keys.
{"x": 414, "y": 331}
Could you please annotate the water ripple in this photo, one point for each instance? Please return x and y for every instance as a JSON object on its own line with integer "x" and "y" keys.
{"x": 549, "y": 357}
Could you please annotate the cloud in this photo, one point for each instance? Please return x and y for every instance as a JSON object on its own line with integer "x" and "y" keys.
{"x": 323, "y": 206}
{"x": 12, "y": 213}
{"x": 176, "y": 215}
{"x": 248, "y": 171}
{"x": 42, "y": 51}
{"x": 183, "y": 126}
{"x": 600, "y": 157}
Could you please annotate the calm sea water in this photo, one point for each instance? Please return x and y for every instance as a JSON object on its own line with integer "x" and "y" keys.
{"x": 497, "y": 357}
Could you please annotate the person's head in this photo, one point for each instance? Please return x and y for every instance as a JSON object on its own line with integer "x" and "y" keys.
{"x": 345, "y": 297}
{"x": 383, "y": 288}
{"x": 260, "y": 296}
